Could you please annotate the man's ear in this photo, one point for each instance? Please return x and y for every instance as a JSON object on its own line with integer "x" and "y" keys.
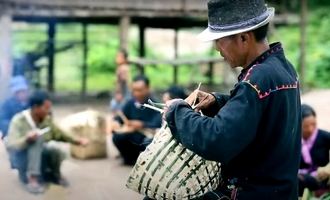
{"x": 244, "y": 37}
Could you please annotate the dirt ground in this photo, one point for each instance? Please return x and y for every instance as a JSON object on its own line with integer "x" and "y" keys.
{"x": 102, "y": 179}
{"x": 320, "y": 101}
{"x": 105, "y": 179}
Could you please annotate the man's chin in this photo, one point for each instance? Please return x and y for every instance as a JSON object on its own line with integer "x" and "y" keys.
{"x": 233, "y": 66}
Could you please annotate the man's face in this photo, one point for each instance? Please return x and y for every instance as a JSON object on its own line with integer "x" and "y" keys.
{"x": 308, "y": 126}
{"x": 44, "y": 110}
{"x": 140, "y": 91}
{"x": 22, "y": 96}
{"x": 233, "y": 49}
{"x": 166, "y": 97}
{"x": 120, "y": 58}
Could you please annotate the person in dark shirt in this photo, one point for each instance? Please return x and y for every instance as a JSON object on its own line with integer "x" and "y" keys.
{"x": 314, "y": 151}
{"x": 174, "y": 92}
{"x": 255, "y": 132}
{"x": 136, "y": 119}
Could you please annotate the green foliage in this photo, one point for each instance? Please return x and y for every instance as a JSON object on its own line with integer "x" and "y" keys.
{"x": 103, "y": 43}
{"x": 318, "y": 45}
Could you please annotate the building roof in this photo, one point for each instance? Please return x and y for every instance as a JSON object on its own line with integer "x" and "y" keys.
{"x": 107, "y": 8}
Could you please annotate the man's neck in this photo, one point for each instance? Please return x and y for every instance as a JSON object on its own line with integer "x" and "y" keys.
{"x": 142, "y": 101}
{"x": 258, "y": 49}
{"x": 35, "y": 118}
{"x": 122, "y": 63}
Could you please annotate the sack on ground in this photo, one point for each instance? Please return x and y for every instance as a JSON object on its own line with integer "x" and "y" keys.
{"x": 89, "y": 124}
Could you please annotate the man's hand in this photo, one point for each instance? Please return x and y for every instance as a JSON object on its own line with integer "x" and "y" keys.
{"x": 168, "y": 104}
{"x": 32, "y": 136}
{"x": 83, "y": 141}
{"x": 135, "y": 124}
{"x": 201, "y": 99}
{"x": 113, "y": 126}
{"x": 323, "y": 173}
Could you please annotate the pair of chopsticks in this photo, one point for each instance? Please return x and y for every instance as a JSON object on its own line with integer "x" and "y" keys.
{"x": 159, "y": 106}
{"x": 153, "y": 108}
{"x": 193, "y": 106}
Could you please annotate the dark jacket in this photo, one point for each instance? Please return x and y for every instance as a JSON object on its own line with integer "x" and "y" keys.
{"x": 256, "y": 135}
{"x": 319, "y": 152}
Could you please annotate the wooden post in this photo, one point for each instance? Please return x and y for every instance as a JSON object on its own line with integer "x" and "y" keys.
{"x": 124, "y": 32}
{"x": 5, "y": 54}
{"x": 303, "y": 36}
{"x": 51, "y": 55}
{"x": 175, "y": 67}
{"x": 141, "y": 45}
{"x": 85, "y": 57}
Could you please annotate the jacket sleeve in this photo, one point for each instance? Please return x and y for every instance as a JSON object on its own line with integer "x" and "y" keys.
{"x": 224, "y": 136}
{"x": 59, "y": 135}
{"x": 221, "y": 100}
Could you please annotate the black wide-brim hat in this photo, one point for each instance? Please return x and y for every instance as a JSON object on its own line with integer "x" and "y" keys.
{"x": 230, "y": 17}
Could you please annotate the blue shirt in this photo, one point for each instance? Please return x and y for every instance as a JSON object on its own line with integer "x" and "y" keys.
{"x": 8, "y": 109}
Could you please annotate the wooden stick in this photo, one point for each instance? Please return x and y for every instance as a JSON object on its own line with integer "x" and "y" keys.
{"x": 158, "y": 105}
{"x": 193, "y": 105}
{"x": 153, "y": 108}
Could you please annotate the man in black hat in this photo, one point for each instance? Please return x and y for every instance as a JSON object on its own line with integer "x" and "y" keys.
{"x": 255, "y": 131}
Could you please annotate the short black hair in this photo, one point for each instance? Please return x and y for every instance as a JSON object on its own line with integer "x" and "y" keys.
{"x": 38, "y": 98}
{"x": 124, "y": 52}
{"x": 177, "y": 92}
{"x": 260, "y": 33}
{"x": 141, "y": 78}
{"x": 307, "y": 111}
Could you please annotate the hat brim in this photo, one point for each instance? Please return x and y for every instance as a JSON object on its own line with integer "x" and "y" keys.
{"x": 210, "y": 35}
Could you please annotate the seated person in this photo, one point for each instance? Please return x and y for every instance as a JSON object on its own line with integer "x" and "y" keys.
{"x": 315, "y": 151}
{"x": 136, "y": 119}
{"x": 174, "y": 92}
{"x": 14, "y": 104}
{"x": 116, "y": 104}
{"x": 28, "y": 134}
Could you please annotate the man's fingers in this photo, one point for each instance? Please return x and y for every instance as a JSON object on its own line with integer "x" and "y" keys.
{"x": 191, "y": 98}
{"x": 202, "y": 103}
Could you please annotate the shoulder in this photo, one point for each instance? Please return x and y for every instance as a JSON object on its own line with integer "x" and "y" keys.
{"x": 48, "y": 120}
{"x": 19, "y": 117}
{"x": 324, "y": 134}
{"x": 129, "y": 103}
{"x": 271, "y": 76}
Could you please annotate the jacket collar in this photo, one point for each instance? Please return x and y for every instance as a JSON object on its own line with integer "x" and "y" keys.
{"x": 274, "y": 48}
